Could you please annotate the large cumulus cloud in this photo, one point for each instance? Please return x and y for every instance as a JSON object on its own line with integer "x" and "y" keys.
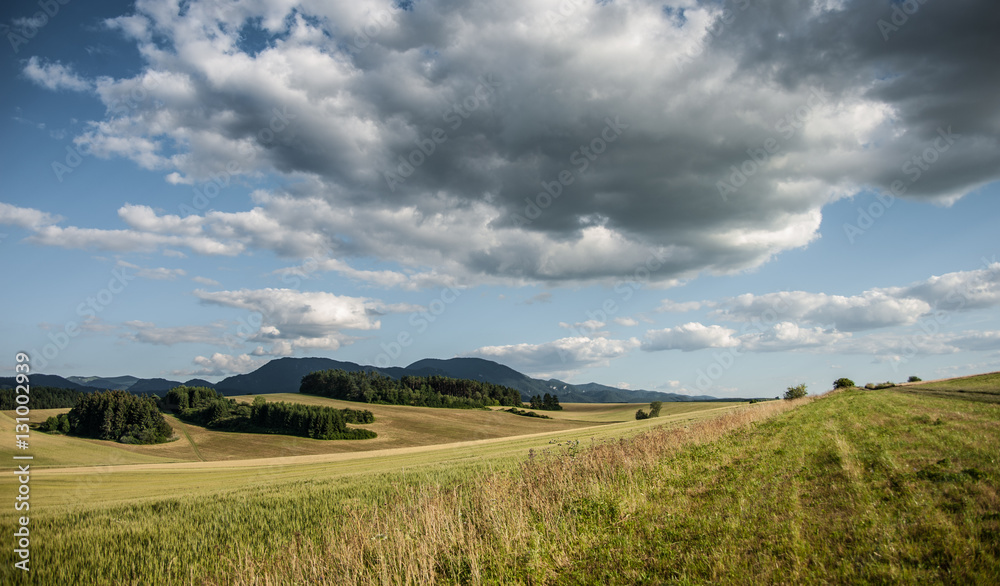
{"x": 706, "y": 135}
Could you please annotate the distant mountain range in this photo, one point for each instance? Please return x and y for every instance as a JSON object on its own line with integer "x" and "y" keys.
{"x": 283, "y": 375}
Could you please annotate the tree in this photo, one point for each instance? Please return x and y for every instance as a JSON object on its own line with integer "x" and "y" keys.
{"x": 914, "y": 379}
{"x": 796, "y": 392}
{"x": 654, "y": 408}
{"x": 640, "y": 415}
{"x": 843, "y": 383}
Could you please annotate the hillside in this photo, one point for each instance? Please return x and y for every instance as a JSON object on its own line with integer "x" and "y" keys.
{"x": 855, "y": 486}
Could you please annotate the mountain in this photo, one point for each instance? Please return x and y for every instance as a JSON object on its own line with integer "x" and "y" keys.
{"x": 114, "y": 383}
{"x": 156, "y": 386}
{"x": 198, "y": 382}
{"x": 47, "y": 380}
{"x": 482, "y": 370}
{"x": 283, "y": 375}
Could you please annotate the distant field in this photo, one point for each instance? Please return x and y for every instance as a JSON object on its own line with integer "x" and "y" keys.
{"x": 984, "y": 387}
{"x": 396, "y": 426}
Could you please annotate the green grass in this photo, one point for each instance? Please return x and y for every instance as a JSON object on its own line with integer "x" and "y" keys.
{"x": 854, "y": 487}
{"x": 983, "y": 387}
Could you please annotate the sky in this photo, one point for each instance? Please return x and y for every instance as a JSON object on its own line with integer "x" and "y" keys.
{"x": 722, "y": 198}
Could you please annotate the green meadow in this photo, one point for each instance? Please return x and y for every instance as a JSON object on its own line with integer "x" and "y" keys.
{"x": 897, "y": 485}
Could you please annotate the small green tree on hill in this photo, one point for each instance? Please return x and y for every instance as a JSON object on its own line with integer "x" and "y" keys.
{"x": 796, "y": 392}
{"x": 640, "y": 415}
{"x": 843, "y": 383}
{"x": 654, "y": 408}
{"x": 914, "y": 379}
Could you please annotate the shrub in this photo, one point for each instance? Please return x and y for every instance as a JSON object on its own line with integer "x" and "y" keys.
{"x": 654, "y": 408}
{"x": 914, "y": 379}
{"x": 843, "y": 383}
{"x": 796, "y": 392}
{"x": 640, "y": 415}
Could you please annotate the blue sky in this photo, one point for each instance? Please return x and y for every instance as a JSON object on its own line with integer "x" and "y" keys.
{"x": 727, "y": 202}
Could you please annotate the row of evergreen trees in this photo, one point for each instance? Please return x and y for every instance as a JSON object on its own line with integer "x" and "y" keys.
{"x": 312, "y": 421}
{"x": 42, "y": 398}
{"x": 546, "y": 403}
{"x": 204, "y": 406}
{"x": 424, "y": 391}
{"x": 120, "y": 416}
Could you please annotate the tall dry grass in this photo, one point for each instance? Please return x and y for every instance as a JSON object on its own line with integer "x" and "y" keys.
{"x": 503, "y": 527}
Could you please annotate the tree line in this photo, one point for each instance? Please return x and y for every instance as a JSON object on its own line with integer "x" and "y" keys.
{"x": 545, "y": 403}
{"x": 420, "y": 391}
{"x": 204, "y": 406}
{"x": 42, "y": 398}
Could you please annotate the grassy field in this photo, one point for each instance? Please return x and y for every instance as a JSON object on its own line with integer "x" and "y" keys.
{"x": 396, "y": 426}
{"x": 984, "y": 387}
{"x": 856, "y": 486}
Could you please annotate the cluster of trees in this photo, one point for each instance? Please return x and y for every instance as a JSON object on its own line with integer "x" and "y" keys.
{"x": 843, "y": 383}
{"x": 423, "y": 391}
{"x": 55, "y": 424}
{"x": 312, "y": 421}
{"x": 42, "y": 398}
{"x": 517, "y": 411}
{"x": 119, "y": 416}
{"x": 204, "y": 406}
{"x": 654, "y": 411}
{"x": 546, "y": 403}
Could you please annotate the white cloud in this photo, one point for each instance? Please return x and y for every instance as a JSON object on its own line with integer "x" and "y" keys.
{"x": 961, "y": 290}
{"x": 156, "y": 274}
{"x": 625, "y": 321}
{"x": 689, "y": 337}
{"x": 591, "y": 328}
{"x": 790, "y": 336}
{"x": 224, "y": 364}
{"x": 299, "y": 319}
{"x": 675, "y": 307}
{"x": 148, "y": 333}
{"x": 872, "y": 309}
{"x": 55, "y": 76}
{"x": 25, "y": 217}
{"x": 558, "y": 357}
{"x": 206, "y": 281}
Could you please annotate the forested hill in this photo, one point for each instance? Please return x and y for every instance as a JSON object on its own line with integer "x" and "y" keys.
{"x": 430, "y": 391}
